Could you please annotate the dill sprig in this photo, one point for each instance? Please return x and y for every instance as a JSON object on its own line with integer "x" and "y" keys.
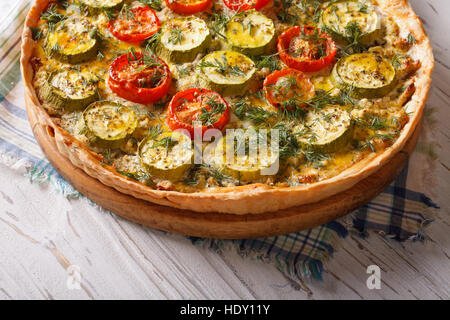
{"x": 140, "y": 176}
{"x": 219, "y": 21}
{"x": 271, "y": 61}
{"x": 208, "y": 171}
{"x": 222, "y": 67}
{"x": 411, "y": 40}
{"x": 288, "y": 145}
{"x": 36, "y": 33}
{"x": 176, "y": 36}
{"x": 315, "y": 158}
{"x": 210, "y": 113}
{"x": 154, "y": 132}
{"x": 154, "y": 4}
{"x": 126, "y": 13}
{"x": 52, "y": 17}
{"x": 320, "y": 100}
{"x": 256, "y": 114}
{"x": 151, "y": 43}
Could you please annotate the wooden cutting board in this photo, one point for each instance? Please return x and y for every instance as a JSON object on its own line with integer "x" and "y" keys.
{"x": 219, "y": 225}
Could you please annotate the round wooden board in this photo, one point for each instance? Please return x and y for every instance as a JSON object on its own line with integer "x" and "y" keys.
{"x": 219, "y": 225}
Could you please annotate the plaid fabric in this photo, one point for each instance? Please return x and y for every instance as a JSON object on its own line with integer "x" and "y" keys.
{"x": 398, "y": 212}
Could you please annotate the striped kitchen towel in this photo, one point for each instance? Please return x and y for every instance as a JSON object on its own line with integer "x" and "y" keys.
{"x": 398, "y": 212}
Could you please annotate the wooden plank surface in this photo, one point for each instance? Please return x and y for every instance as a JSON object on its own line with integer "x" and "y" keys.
{"x": 118, "y": 259}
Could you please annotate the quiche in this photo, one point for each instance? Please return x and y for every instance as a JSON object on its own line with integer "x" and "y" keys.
{"x": 229, "y": 106}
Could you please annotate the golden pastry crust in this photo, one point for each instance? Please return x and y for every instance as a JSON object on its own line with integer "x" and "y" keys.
{"x": 248, "y": 199}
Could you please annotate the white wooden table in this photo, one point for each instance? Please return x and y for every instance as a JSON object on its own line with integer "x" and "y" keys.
{"x": 44, "y": 238}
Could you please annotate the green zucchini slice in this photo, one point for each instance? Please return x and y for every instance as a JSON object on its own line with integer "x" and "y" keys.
{"x": 182, "y": 39}
{"x": 327, "y": 130}
{"x": 167, "y": 156}
{"x": 338, "y": 18}
{"x": 250, "y": 33}
{"x": 96, "y": 6}
{"x": 109, "y": 124}
{"x": 226, "y": 72}
{"x": 245, "y": 163}
{"x": 368, "y": 74}
{"x": 73, "y": 41}
{"x": 70, "y": 89}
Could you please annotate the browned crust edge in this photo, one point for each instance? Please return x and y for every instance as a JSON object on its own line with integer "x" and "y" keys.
{"x": 255, "y": 198}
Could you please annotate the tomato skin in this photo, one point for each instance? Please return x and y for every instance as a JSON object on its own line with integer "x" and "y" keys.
{"x": 192, "y": 94}
{"x": 305, "y": 65}
{"x": 244, "y": 5}
{"x": 272, "y": 79}
{"x": 128, "y": 89}
{"x": 186, "y": 9}
{"x": 148, "y": 17}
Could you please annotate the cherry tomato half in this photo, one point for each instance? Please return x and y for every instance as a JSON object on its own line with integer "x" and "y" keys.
{"x": 288, "y": 89}
{"x": 244, "y": 5}
{"x": 306, "y": 48}
{"x": 138, "y": 77}
{"x": 134, "y": 25}
{"x": 188, "y": 6}
{"x": 197, "y": 104}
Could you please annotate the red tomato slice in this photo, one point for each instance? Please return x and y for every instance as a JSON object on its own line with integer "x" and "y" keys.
{"x": 197, "y": 104}
{"x": 288, "y": 89}
{"x": 306, "y": 48}
{"x": 134, "y": 25}
{"x": 188, "y": 6}
{"x": 244, "y": 5}
{"x": 138, "y": 77}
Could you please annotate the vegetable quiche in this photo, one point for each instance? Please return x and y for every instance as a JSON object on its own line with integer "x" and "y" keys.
{"x": 133, "y": 91}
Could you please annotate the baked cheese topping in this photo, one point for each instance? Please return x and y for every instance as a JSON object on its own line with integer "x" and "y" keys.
{"x": 358, "y": 109}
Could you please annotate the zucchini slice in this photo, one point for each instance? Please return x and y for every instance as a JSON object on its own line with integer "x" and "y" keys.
{"x": 109, "y": 124}
{"x": 70, "y": 89}
{"x": 73, "y": 41}
{"x": 325, "y": 130}
{"x": 369, "y": 74}
{"x": 226, "y": 72}
{"x": 182, "y": 39}
{"x": 250, "y": 33}
{"x": 167, "y": 156}
{"x": 245, "y": 163}
{"x": 338, "y": 16}
{"x": 96, "y": 6}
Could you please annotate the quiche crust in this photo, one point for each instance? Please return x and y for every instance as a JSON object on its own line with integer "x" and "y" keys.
{"x": 247, "y": 199}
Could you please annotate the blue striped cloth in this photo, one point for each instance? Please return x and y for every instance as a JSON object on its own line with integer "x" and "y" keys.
{"x": 398, "y": 212}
